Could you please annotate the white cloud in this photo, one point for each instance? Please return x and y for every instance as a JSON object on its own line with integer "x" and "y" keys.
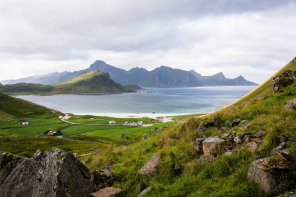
{"x": 249, "y": 38}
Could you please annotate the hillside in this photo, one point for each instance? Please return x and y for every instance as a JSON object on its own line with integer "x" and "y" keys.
{"x": 92, "y": 82}
{"x": 14, "y": 108}
{"x": 251, "y": 153}
{"x": 159, "y": 77}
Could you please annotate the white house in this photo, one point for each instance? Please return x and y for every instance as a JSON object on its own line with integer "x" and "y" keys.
{"x": 112, "y": 122}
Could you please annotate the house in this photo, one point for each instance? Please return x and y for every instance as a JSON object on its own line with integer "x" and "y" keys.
{"x": 24, "y": 121}
{"x": 52, "y": 132}
{"x": 112, "y": 122}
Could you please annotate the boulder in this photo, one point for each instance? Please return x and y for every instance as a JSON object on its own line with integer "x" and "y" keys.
{"x": 50, "y": 173}
{"x": 277, "y": 149}
{"x": 214, "y": 146}
{"x": 235, "y": 122}
{"x": 197, "y": 144}
{"x": 150, "y": 167}
{"x": 224, "y": 129}
{"x": 290, "y": 106}
{"x": 206, "y": 158}
{"x": 243, "y": 122}
{"x": 144, "y": 192}
{"x": 283, "y": 80}
{"x": 237, "y": 140}
{"x": 108, "y": 192}
{"x": 102, "y": 177}
{"x": 270, "y": 177}
{"x": 260, "y": 133}
{"x": 217, "y": 121}
{"x": 252, "y": 146}
{"x": 201, "y": 128}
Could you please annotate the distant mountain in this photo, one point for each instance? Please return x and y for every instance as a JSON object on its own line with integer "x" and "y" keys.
{"x": 92, "y": 82}
{"x": 160, "y": 77}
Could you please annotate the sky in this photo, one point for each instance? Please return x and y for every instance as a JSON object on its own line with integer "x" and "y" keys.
{"x": 252, "y": 38}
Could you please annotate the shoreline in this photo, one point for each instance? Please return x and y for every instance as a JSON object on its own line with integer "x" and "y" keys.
{"x": 134, "y": 115}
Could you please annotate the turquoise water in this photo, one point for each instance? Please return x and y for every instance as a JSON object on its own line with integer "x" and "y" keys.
{"x": 159, "y": 100}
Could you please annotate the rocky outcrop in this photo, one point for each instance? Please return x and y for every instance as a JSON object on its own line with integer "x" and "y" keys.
{"x": 150, "y": 167}
{"x": 213, "y": 146}
{"x": 197, "y": 145}
{"x": 108, "y": 192}
{"x": 271, "y": 175}
{"x": 50, "y": 173}
{"x": 283, "y": 80}
{"x": 290, "y": 106}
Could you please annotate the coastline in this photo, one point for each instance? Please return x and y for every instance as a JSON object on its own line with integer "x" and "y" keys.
{"x": 134, "y": 115}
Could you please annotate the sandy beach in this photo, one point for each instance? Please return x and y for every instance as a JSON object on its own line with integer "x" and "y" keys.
{"x": 131, "y": 115}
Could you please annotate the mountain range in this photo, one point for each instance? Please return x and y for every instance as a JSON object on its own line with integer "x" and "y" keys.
{"x": 159, "y": 77}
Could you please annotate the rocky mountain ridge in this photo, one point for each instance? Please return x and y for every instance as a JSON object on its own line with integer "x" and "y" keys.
{"x": 159, "y": 77}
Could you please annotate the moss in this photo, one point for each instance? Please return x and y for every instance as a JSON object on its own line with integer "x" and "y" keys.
{"x": 60, "y": 157}
{"x": 20, "y": 160}
{"x": 6, "y": 158}
{"x": 84, "y": 171}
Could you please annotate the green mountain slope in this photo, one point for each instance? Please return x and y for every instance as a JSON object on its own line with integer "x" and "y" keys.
{"x": 93, "y": 82}
{"x": 14, "y": 108}
{"x": 180, "y": 171}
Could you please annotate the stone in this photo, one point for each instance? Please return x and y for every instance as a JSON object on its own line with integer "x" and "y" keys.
{"x": 270, "y": 181}
{"x": 290, "y": 106}
{"x": 123, "y": 136}
{"x": 257, "y": 140}
{"x": 150, "y": 167}
{"x": 217, "y": 121}
{"x": 283, "y": 80}
{"x": 235, "y": 122}
{"x": 108, "y": 192}
{"x": 228, "y": 123}
{"x": 260, "y": 133}
{"x": 283, "y": 138}
{"x": 246, "y": 133}
{"x": 252, "y": 146}
{"x": 197, "y": 144}
{"x": 224, "y": 129}
{"x": 237, "y": 140}
{"x": 214, "y": 146}
{"x": 277, "y": 149}
{"x": 206, "y": 158}
{"x": 246, "y": 138}
{"x": 200, "y": 128}
{"x": 277, "y": 117}
{"x": 225, "y": 136}
{"x": 144, "y": 192}
{"x": 54, "y": 172}
{"x": 209, "y": 123}
{"x": 243, "y": 122}
{"x": 228, "y": 153}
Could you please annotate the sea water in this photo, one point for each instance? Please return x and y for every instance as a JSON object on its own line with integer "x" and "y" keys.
{"x": 150, "y": 100}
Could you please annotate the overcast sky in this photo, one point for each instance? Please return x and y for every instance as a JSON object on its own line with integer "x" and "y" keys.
{"x": 253, "y": 38}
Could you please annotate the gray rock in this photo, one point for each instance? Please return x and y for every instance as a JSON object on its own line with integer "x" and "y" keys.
{"x": 237, "y": 140}
{"x": 197, "y": 144}
{"x": 260, "y": 133}
{"x": 283, "y": 138}
{"x": 246, "y": 133}
{"x": 260, "y": 172}
{"x": 246, "y": 138}
{"x": 144, "y": 192}
{"x": 283, "y": 80}
{"x": 257, "y": 140}
{"x": 50, "y": 173}
{"x": 177, "y": 168}
{"x": 150, "y": 167}
{"x": 277, "y": 149}
{"x": 290, "y": 106}
{"x": 217, "y": 121}
{"x": 206, "y": 158}
{"x": 235, "y": 122}
{"x": 252, "y": 146}
{"x": 108, "y": 192}
{"x": 224, "y": 129}
{"x": 214, "y": 146}
{"x": 209, "y": 123}
{"x": 243, "y": 122}
{"x": 200, "y": 128}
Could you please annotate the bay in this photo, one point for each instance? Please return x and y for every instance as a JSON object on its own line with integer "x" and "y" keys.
{"x": 151, "y": 100}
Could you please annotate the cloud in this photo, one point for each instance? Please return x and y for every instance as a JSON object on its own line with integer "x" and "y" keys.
{"x": 236, "y": 37}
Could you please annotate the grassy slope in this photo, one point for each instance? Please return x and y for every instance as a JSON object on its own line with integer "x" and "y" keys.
{"x": 13, "y": 108}
{"x": 226, "y": 176}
